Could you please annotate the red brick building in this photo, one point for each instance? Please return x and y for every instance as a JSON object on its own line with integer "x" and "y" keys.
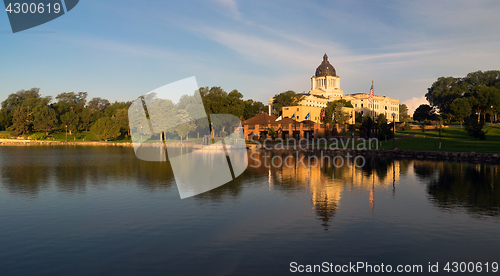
{"x": 285, "y": 128}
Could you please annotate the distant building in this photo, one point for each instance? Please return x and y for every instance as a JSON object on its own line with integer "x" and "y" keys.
{"x": 312, "y": 113}
{"x": 325, "y": 88}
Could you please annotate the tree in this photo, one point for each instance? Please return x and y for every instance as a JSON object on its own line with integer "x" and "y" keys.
{"x": 106, "y": 129}
{"x": 424, "y": 112}
{"x": 443, "y": 92}
{"x": 252, "y": 108}
{"x": 5, "y": 119}
{"x": 272, "y": 132}
{"x": 88, "y": 117}
{"x": 288, "y": 98}
{"x": 334, "y": 112}
{"x": 45, "y": 120}
{"x": 482, "y": 98}
{"x": 21, "y": 123}
{"x": 385, "y": 129}
{"x": 111, "y": 109}
{"x": 403, "y": 113}
{"x": 474, "y": 128}
{"x": 121, "y": 118}
{"x": 71, "y": 120}
{"x": 367, "y": 125}
{"x": 30, "y": 101}
{"x": 461, "y": 109}
{"x": 482, "y": 89}
{"x": 98, "y": 104}
{"x": 70, "y": 101}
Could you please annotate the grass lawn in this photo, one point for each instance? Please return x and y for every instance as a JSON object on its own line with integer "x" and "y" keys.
{"x": 452, "y": 139}
{"x": 75, "y": 137}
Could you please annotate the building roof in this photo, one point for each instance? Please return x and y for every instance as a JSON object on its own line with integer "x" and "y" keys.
{"x": 261, "y": 119}
{"x": 325, "y": 68}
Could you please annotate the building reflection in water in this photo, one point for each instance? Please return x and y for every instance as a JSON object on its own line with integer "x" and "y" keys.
{"x": 325, "y": 180}
{"x": 469, "y": 187}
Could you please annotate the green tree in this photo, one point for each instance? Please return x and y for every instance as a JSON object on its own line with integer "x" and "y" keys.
{"x": 443, "y": 91}
{"x": 121, "y": 118}
{"x": 70, "y": 101}
{"x": 385, "y": 129}
{"x": 30, "y": 101}
{"x": 5, "y": 119}
{"x": 482, "y": 89}
{"x": 45, "y": 120}
{"x": 334, "y": 112}
{"x": 272, "y": 132}
{"x": 111, "y": 109}
{"x": 71, "y": 120}
{"x": 461, "y": 109}
{"x": 252, "y": 108}
{"x": 88, "y": 117}
{"x": 21, "y": 123}
{"x": 367, "y": 125}
{"x": 106, "y": 129}
{"x": 403, "y": 113}
{"x": 482, "y": 97}
{"x": 98, "y": 104}
{"x": 474, "y": 127}
{"x": 424, "y": 112}
{"x": 288, "y": 98}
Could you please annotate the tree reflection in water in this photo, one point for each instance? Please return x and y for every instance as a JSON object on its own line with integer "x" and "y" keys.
{"x": 475, "y": 188}
{"x": 472, "y": 187}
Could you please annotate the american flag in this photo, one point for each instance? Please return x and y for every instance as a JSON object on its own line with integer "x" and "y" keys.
{"x": 370, "y": 98}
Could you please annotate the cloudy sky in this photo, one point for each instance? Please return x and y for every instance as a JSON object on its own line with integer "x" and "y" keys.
{"x": 120, "y": 49}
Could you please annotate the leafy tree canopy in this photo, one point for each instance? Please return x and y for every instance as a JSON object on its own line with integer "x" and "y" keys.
{"x": 288, "y": 98}
{"x": 424, "y": 112}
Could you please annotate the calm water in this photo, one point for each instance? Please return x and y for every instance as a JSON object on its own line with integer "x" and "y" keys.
{"x": 102, "y": 211}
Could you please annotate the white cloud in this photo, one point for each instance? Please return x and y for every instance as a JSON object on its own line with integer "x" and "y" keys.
{"x": 231, "y": 6}
{"x": 413, "y": 103}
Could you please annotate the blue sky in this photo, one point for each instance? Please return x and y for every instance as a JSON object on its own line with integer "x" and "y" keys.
{"x": 122, "y": 49}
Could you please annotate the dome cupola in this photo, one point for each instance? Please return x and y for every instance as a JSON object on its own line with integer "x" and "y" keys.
{"x": 325, "y": 68}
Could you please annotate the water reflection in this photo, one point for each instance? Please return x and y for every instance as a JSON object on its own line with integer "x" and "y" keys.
{"x": 450, "y": 186}
{"x": 28, "y": 171}
{"x": 472, "y": 187}
{"x": 326, "y": 181}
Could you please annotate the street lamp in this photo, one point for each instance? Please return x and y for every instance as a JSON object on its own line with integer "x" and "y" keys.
{"x": 393, "y": 130}
{"x": 491, "y": 116}
{"x": 66, "y": 134}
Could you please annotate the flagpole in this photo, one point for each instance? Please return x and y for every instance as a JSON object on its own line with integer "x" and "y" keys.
{"x": 373, "y": 109}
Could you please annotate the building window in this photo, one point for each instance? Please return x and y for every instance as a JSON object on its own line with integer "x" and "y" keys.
{"x": 361, "y": 105}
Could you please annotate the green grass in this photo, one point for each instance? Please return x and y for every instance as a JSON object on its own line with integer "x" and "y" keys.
{"x": 75, "y": 137}
{"x": 452, "y": 139}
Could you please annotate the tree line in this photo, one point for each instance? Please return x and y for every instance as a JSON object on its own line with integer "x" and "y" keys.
{"x": 451, "y": 98}
{"x": 469, "y": 99}
{"x": 27, "y": 112}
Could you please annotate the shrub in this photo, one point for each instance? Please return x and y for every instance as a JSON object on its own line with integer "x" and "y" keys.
{"x": 106, "y": 129}
{"x": 406, "y": 127}
{"x": 37, "y": 136}
{"x": 474, "y": 128}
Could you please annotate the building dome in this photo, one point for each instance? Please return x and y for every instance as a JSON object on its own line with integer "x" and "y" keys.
{"x": 325, "y": 68}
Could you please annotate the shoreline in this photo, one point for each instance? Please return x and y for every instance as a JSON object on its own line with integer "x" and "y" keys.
{"x": 451, "y": 156}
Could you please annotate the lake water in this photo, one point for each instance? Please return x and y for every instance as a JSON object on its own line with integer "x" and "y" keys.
{"x": 102, "y": 211}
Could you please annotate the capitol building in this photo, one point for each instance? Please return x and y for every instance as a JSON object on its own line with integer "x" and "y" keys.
{"x": 325, "y": 87}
